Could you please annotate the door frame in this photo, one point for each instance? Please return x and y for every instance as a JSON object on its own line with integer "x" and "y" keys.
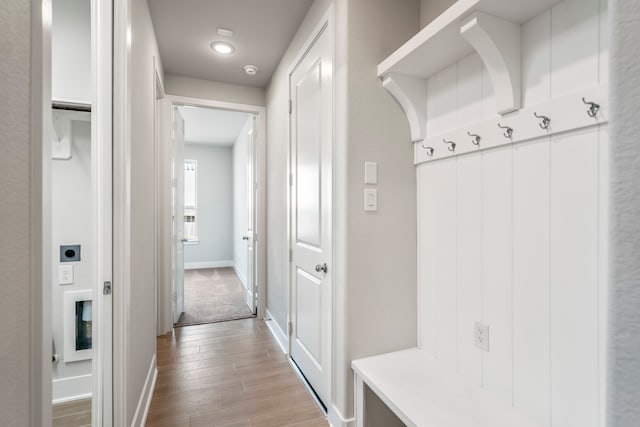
{"x": 325, "y": 24}
{"x": 260, "y": 209}
{"x": 40, "y": 389}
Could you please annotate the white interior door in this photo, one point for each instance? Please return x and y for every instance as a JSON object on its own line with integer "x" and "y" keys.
{"x": 178, "y": 215}
{"x": 252, "y": 186}
{"x": 311, "y": 164}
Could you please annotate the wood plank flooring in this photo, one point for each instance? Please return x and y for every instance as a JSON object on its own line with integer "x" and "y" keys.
{"x": 230, "y": 374}
{"x": 72, "y": 414}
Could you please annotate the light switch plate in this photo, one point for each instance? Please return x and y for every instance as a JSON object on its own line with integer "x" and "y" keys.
{"x": 370, "y": 173}
{"x": 370, "y": 199}
{"x": 481, "y": 336}
{"x": 65, "y": 274}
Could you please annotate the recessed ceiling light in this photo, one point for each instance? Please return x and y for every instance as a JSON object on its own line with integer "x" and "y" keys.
{"x": 225, "y": 32}
{"x": 223, "y": 48}
{"x": 252, "y": 70}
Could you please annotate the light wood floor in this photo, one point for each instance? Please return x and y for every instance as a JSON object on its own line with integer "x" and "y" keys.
{"x": 230, "y": 374}
{"x": 72, "y": 414}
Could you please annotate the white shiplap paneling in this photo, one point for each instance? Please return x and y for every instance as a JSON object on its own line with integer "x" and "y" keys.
{"x": 427, "y": 308}
{"x": 529, "y": 232}
{"x": 574, "y": 279}
{"x": 469, "y": 254}
{"x": 443, "y": 237}
{"x": 531, "y": 370}
{"x": 497, "y": 310}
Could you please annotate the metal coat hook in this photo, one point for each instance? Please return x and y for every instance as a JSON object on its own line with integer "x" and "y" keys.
{"x": 476, "y": 138}
{"x": 452, "y": 145}
{"x": 546, "y": 121}
{"x": 508, "y": 131}
{"x": 430, "y": 150}
{"x": 593, "y": 107}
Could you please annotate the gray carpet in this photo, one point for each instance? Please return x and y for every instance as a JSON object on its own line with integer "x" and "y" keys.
{"x": 213, "y": 295}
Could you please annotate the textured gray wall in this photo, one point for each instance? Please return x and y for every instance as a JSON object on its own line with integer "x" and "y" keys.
{"x": 15, "y": 39}
{"x": 624, "y": 310}
{"x": 214, "y": 214}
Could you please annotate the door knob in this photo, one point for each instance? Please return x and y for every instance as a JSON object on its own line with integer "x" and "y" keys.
{"x": 245, "y": 237}
{"x": 322, "y": 267}
{"x": 184, "y": 240}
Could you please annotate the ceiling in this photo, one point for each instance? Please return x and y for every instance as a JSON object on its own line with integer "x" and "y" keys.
{"x": 211, "y": 126}
{"x": 263, "y": 30}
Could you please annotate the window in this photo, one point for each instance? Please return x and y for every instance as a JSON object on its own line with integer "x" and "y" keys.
{"x": 190, "y": 200}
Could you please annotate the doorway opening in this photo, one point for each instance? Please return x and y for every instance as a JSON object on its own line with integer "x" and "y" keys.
{"x": 215, "y": 214}
{"x": 77, "y": 171}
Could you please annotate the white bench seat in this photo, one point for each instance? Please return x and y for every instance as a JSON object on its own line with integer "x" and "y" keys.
{"x": 422, "y": 393}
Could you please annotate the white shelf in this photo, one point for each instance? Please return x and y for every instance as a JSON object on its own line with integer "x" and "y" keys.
{"x": 440, "y": 43}
{"x": 492, "y": 28}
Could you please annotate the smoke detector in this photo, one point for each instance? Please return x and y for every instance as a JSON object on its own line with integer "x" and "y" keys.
{"x": 251, "y": 70}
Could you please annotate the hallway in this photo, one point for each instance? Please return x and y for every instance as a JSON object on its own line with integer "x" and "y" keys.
{"x": 228, "y": 374}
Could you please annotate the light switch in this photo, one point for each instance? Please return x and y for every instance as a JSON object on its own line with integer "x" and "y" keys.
{"x": 370, "y": 173}
{"x": 65, "y": 274}
{"x": 370, "y": 199}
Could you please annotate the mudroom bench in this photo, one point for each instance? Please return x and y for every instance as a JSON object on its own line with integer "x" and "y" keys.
{"x": 421, "y": 392}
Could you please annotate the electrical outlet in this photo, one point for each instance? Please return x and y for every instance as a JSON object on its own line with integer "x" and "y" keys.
{"x": 482, "y": 336}
{"x": 65, "y": 274}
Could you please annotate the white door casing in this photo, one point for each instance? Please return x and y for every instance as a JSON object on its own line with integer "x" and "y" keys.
{"x": 311, "y": 143}
{"x": 251, "y": 218}
{"x": 178, "y": 214}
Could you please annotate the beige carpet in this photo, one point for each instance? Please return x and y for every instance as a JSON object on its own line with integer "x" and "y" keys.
{"x": 213, "y": 295}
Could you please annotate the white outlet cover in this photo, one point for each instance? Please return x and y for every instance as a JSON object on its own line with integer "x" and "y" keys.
{"x": 481, "y": 336}
{"x": 65, "y": 275}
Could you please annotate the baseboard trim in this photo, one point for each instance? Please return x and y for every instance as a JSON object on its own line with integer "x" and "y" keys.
{"x": 277, "y": 332}
{"x": 336, "y": 419}
{"x": 142, "y": 411}
{"x": 72, "y": 388}
{"x": 207, "y": 264}
{"x": 240, "y": 275}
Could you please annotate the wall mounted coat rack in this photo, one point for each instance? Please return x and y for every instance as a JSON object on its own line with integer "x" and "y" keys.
{"x": 569, "y": 112}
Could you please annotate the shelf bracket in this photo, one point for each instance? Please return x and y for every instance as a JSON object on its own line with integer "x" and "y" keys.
{"x": 411, "y": 93}
{"x": 498, "y": 42}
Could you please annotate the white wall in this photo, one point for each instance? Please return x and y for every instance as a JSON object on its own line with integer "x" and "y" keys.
{"x": 71, "y": 50}
{"x": 240, "y": 217}
{"x": 516, "y": 237}
{"x": 207, "y": 89}
{"x": 141, "y": 337}
{"x": 431, "y": 9}
{"x": 71, "y": 224}
{"x": 623, "y": 383}
{"x": 214, "y": 214}
{"x": 15, "y": 193}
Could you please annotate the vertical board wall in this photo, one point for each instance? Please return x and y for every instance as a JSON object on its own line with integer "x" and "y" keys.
{"x": 515, "y": 237}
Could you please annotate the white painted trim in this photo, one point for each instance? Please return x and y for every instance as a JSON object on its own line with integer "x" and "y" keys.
{"x": 69, "y": 300}
{"x": 277, "y": 332}
{"x": 207, "y": 264}
{"x": 142, "y": 410}
{"x": 40, "y": 255}
{"x": 121, "y": 207}
{"x": 72, "y": 388}
{"x": 261, "y": 161}
{"x": 102, "y": 189}
{"x": 336, "y": 419}
{"x": 240, "y": 274}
